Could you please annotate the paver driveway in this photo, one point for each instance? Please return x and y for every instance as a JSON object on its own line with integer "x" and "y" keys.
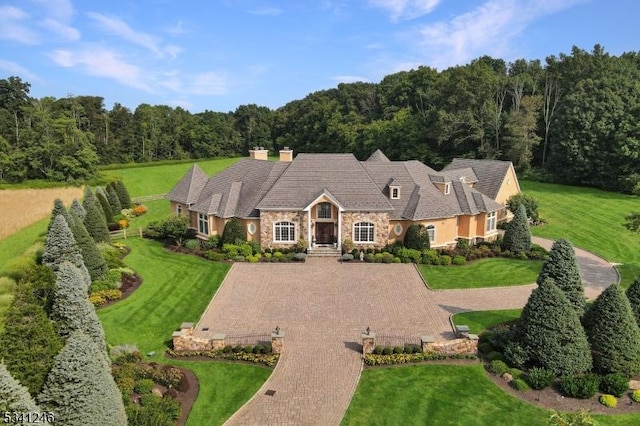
{"x": 323, "y": 307}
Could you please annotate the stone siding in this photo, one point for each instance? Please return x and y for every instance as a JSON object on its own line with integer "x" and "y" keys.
{"x": 268, "y": 218}
{"x": 380, "y": 221}
{"x": 462, "y": 346}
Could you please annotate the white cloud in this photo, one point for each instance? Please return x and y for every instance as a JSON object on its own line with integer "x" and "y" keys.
{"x": 14, "y": 26}
{"x": 120, "y": 28}
{"x": 102, "y": 62}
{"x": 406, "y": 9}
{"x": 13, "y": 68}
{"x": 177, "y": 29}
{"x": 350, "y": 79}
{"x": 65, "y": 31}
{"x": 491, "y": 28}
{"x": 266, "y": 11}
{"x": 60, "y": 10}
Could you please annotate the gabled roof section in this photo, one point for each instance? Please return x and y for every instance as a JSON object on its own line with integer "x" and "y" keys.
{"x": 466, "y": 175}
{"x": 325, "y": 193}
{"x": 238, "y": 188}
{"x": 187, "y": 190}
{"x": 394, "y": 182}
{"x": 378, "y": 155}
{"x": 489, "y": 173}
{"x": 340, "y": 174}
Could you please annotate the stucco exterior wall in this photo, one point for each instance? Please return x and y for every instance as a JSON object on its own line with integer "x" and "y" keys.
{"x": 509, "y": 187}
{"x": 393, "y": 236}
{"x": 380, "y": 221}
{"x": 446, "y": 231}
{"x": 269, "y": 218}
{"x": 247, "y": 224}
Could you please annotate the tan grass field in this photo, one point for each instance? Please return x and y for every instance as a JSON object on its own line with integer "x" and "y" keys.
{"x": 22, "y": 207}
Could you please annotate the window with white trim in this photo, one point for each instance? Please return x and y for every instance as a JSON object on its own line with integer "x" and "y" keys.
{"x": 397, "y": 229}
{"x": 203, "y": 224}
{"x": 491, "y": 221}
{"x": 284, "y": 232}
{"x": 447, "y": 188}
{"x": 364, "y": 232}
{"x": 252, "y": 228}
{"x": 324, "y": 211}
{"x": 395, "y": 193}
{"x": 431, "y": 230}
{"x": 179, "y": 209}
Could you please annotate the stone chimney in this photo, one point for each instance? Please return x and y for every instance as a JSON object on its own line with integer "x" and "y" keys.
{"x": 286, "y": 154}
{"x": 259, "y": 153}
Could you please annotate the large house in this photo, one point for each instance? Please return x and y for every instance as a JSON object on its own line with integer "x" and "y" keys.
{"x": 322, "y": 200}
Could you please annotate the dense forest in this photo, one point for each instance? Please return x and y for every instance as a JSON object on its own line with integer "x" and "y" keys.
{"x": 574, "y": 119}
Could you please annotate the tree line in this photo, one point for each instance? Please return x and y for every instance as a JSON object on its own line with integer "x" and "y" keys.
{"x": 573, "y": 119}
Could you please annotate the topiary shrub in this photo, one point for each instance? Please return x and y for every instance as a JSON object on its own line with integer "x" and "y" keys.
{"x": 615, "y": 384}
{"x": 539, "y": 378}
{"x": 497, "y": 367}
{"x": 495, "y": 355}
{"x": 192, "y": 244}
{"x": 530, "y": 205}
{"x": 515, "y": 354}
{"x": 517, "y": 237}
{"x": 581, "y": 387}
{"x": 608, "y": 401}
{"x": 416, "y": 237}
{"x": 519, "y": 385}
{"x": 387, "y": 350}
{"x": 234, "y": 232}
{"x": 459, "y": 260}
{"x": 397, "y": 349}
{"x": 635, "y": 395}
{"x": 378, "y": 350}
{"x": 445, "y": 260}
{"x": 347, "y": 257}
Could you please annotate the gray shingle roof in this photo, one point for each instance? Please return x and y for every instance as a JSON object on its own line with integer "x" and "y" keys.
{"x": 378, "y": 156}
{"x": 309, "y": 174}
{"x": 489, "y": 173}
{"x": 188, "y": 189}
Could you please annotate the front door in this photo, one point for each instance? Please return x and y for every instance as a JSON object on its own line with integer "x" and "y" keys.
{"x": 324, "y": 232}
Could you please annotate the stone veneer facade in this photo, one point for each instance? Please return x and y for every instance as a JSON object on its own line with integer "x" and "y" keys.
{"x": 380, "y": 221}
{"x": 269, "y": 218}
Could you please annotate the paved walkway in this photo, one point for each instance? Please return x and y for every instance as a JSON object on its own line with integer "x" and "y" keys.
{"x": 323, "y": 306}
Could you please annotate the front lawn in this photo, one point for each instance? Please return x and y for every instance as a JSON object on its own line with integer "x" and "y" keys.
{"x": 479, "y": 321}
{"x": 490, "y": 272}
{"x": 591, "y": 219}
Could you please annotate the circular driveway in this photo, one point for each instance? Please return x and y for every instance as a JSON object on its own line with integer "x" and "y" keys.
{"x": 323, "y": 306}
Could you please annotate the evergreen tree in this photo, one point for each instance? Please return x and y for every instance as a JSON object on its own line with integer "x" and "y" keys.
{"x": 633, "y": 294}
{"x": 114, "y": 202}
{"x": 61, "y": 246}
{"x": 95, "y": 222}
{"x": 123, "y": 194}
{"x": 58, "y": 209}
{"x": 550, "y": 332}
{"x": 613, "y": 333}
{"x": 80, "y": 389}
{"x": 93, "y": 260}
{"x": 77, "y": 208}
{"x": 517, "y": 237}
{"x": 106, "y": 208}
{"x": 29, "y": 342}
{"x": 13, "y": 396}
{"x": 233, "y": 232}
{"x": 417, "y": 237}
{"x": 72, "y": 310}
{"x": 89, "y": 198}
{"x": 562, "y": 267}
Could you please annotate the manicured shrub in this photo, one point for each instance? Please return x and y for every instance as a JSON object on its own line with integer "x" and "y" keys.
{"x": 192, "y": 244}
{"x": 408, "y": 255}
{"x": 300, "y": 257}
{"x": 144, "y": 386}
{"x": 387, "y": 350}
{"x": 236, "y": 349}
{"x": 93, "y": 260}
{"x": 94, "y": 220}
{"x": 609, "y": 401}
{"x": 429, "y": 257}
{"x": 633, "y": 294}
{"x": 239, "y": 259}
{"x": 495, "y": 355}
{"x": 106, "y": 208}
{"x": 580, "y": 386}
{"x": 459, "y": 260}
{"x": 517, "y": 237}
{"x": 579, "y": 418}
{"x": 519, "y": 385}
{"x": 378, "y": 350}
{"x": 369, "y": 258}
{"x": 551, "y": 334}
{"x": 234, "y": 232}
{"x": 398, "y": 349}
{"x": 613, "y": 333}
{"x": 515, "y": 354}
{"x": 445, "y": 260}
{"x": 635, "y": 395}
{"x": 123, "y": 194}
{"x": 562, "y": 267}
{"x": 497, "y": 367}
{"x": 80, "y": 386}
{"x": 114, "y": 201}
{"x": 347, "y": 257}
{"x": 227, "y": 349}
{"x": 174, "y": 229}
{"x": 77, "y": 208}
{"x": 615, "y": 384}
{"x": 485, "y": 347}
{"x": 416, "y": 237}
{"x": 539, "y": 378}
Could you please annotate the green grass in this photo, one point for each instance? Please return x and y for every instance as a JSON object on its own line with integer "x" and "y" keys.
{"x": 16, "y": 244}
{"x": 479, "y": 321}
{"x": 493, "y": 272}
{"x": 176, "y": 288}
{"x": 436, "y": 395}
{"x": 444, "y": 395}
{"x": 591, "y": 219}
{"x": 159, "y": 179}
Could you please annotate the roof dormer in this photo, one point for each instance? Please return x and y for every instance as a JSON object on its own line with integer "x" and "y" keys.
{"x": 443, "y": 183}
{"x": 394, "y": 189}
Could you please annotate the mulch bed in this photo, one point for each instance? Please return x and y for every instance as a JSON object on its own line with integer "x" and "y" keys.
{"x": 188, "y": 397}
{"x": 551, "y": 399}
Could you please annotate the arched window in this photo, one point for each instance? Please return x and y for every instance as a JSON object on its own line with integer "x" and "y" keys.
{"x": 364, "y": 232}
{"x": 284, "y": 232}
{"x": 431, "y": 230}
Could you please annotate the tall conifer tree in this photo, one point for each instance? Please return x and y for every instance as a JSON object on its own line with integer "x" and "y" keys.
{"x": 562, "y": 268}
{"x": 517, "y": 237}
{"x": 77, "y": 208}
{"x": 93, "y": 260}
{"x": 61, "y": 246}
{"x": 114, "y": 201}
{"x": 123, "y": 194}
{"x": 633, "y": 294}
{"x": 13, "y": 396}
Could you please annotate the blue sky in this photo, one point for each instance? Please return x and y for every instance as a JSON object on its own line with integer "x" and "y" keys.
{"x": 219, "y": 54}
